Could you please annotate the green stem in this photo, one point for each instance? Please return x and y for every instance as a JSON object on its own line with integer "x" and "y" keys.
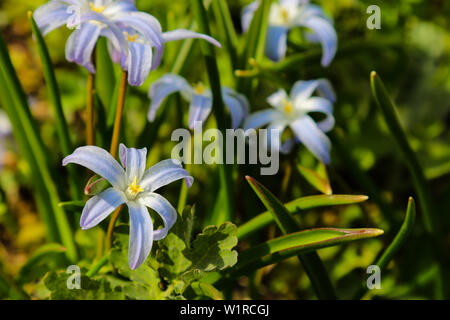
{"x": 90, "y": 135}
{"x": 218, "y": 105}
{"x": 96, "y": 267}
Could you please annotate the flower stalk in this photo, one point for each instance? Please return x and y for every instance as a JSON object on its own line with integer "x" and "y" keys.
{"x": 90, "y": 127}
{"x": 119, "y": 114}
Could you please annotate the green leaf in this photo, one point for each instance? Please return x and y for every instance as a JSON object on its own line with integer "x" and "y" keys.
{"x": 55, "y": 97}
{"x": 264, "y": 219}
{"x": 296, "y": 243}
{"x": 105, "y": 79}
{"x": 389, "y": 112}
{"x": 38, "y": 264}
{"x": 396, "y": 244}
{"x": 90, "y": 289}
{"x": 430, "y": 217}
{"x": 202, "y": 289}
{"x": 212, "y": 249}
{"x": 311, "y": 261}
{"x": 34, "y": 150}
{"x": 144, "y": 281}
{"x": 320, "y": 183}
{"x": 218, "y": 107}
{"x": 74, "y": 206}
{"x": 224, "y": 21}
{"x": 254, "y": 42}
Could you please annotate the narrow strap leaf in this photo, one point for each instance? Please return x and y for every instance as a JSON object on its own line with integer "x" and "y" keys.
{"x": 266, "y": 218}
{"x": 395, "y": 245}
{"x": 311, "y": 262}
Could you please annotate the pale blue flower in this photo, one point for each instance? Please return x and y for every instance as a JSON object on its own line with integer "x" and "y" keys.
{"x": 287, "y": 14}
{"x": 292, "y": 111}
{"x": 199, "y": 97}
{"x": 134, "y": 186}
{"x": 131, "y": 34}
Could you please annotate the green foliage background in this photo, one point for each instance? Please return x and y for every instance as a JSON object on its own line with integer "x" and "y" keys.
{"x": 411, "y": 53}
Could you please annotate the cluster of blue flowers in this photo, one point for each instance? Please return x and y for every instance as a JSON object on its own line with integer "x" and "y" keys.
{"x": 136, "y": 41}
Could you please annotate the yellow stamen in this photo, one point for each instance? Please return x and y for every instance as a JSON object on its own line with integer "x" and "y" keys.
{"x": 288, "y": 107}
{"x": 199, "y": 88}
{"x": 134, "y": 187}
{"x": 96, "y": 9}
{"x": 284, "y": 15}
{"x": 131, "y": 38}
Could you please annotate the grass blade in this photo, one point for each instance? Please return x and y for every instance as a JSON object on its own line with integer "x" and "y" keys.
{"x": 223, "y": 18}
{"x": 35, "y": 148}
{"x": 430, "y": 217}
{"x": 321, "y": 184}
{"x": 264, "y": 219}
{"x": 55, "y": 97}
{"x": 395, "y": 245}
{"x": 218, "y": 105}
{"x": 311, "y": 262}
{"x": 254, "y": 42}
{"x": 47, "y": 251}
{"x": 296, "y": 243}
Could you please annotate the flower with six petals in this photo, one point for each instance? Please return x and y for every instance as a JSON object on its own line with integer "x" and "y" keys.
{"x": 134, "y": 186}
{"x": 292, "y": 111}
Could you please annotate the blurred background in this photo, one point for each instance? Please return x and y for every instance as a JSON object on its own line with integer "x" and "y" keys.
{"x": 411, "y": 53}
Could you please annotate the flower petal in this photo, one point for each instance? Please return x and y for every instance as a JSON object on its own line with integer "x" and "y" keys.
{"x": 312, "y": 137}
{"x": 144, "y": 23}
{"x": 52, "y": 15}
{"x": 99, "y": 161}
{"x": 261, "y": 118}
{"x": 134, "y": 160}
{"x": 274, "y": 131}
{"x": 302, "y": 90}
{"x": 199, "y": 109}
{"x": 163, "y": 173}
{"x": 317, "y": 104}
{"x": 81, "y": 43}
{"x": 141, "y": 234}
{"x": 277, "y": 99}
{"x": 276, "y": 42}
{"x": 163, "y": 207}
{"x": 139, "y": 62}
{"x": 180, "y": 34}
{"x": 99, "y": 207}
{"x": 165, "y": 86}
{"x": 326, "y": 34}
{"x": 237, "y": 104}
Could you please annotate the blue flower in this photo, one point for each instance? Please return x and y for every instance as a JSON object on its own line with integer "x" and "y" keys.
{"x": 134, "y": 186}
{"x": 199, "y": 97}
{"x": 292, "y": 111}
{"x": 131, "y": 34}
{"x": 287, "y": 14}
